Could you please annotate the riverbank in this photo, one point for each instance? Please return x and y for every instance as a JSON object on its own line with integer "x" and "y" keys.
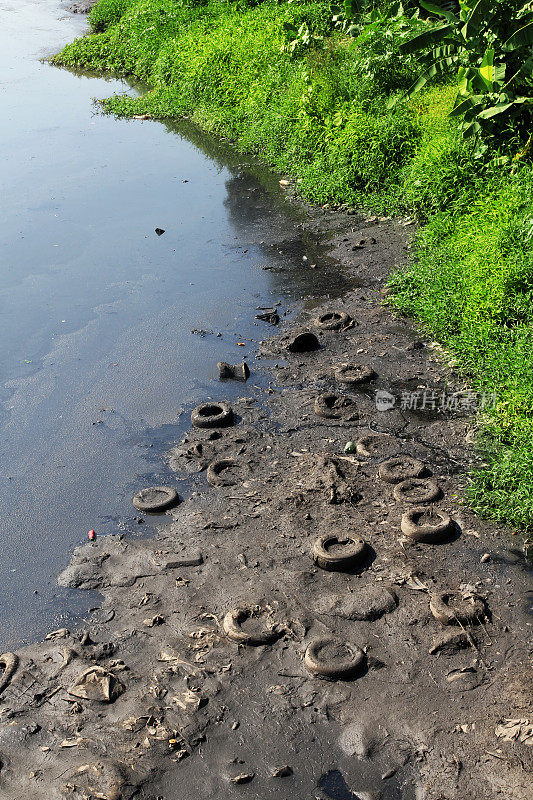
{"x": 179, "y": 702}
{"x": 277, "y": 81}
{"x": 232, "y": 654}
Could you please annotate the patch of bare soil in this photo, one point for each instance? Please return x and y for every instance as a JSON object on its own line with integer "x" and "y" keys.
{"x": 224, "y": 662}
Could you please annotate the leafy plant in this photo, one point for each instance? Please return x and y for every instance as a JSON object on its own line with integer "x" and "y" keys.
{"x": 490, "y": 44}
{"x": 299, "y": 39}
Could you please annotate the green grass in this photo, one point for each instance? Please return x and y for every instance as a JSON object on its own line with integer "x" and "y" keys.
{"x": 320, "y": 114}
{"x": 315, "y": 113}
{"x": 471, "y": 284}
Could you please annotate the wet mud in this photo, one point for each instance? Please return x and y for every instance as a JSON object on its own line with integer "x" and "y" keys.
{"x": 229, "y": 660}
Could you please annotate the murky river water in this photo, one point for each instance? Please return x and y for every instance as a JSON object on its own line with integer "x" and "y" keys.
{"x": 97, "y": 358}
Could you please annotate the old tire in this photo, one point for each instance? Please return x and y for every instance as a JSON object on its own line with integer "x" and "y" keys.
{"x": 8, "y": 665}
{"x": 331, "y": 405}
{"x": 354, "y": 374}
{"x": 212, "y": 415}
{"x": 215, "y": 472}
{"x": 333, "y": 320}
{"x": 398, "y": 469}
{"x": 232, "y": 623}
{"x": 418, "y": 531}
{"x": 333, "y": 659}
{"x": 417, "y": 490}
{"x": 155, "y": 498}
{"x": 377, "y": 445}
{"x": 337, "y": 553}
{"x": 304, "y": 342}
{"x": 452, "y": 609}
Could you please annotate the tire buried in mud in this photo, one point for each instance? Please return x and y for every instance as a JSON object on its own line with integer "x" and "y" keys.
{"x": 333, "y": 659}
{"x": 155, "y": 499}
{"x": 378, "y": 445}
{"x": 417, "y": 490}
{"x": 303, "y": 342}
{"x": 354, "y": 374}
{"x": 396, "y": 470}
{"x": 418, "y": 528}
{"x": 333, "y": 320}
{"x": 232, "y": 625}
{"x": 337, "y": 553}
{"x": 331, "y": 405}
{"x": 450, "y": 608}
{"x": 222, "y": 472}
{"x": 8, "y": 666}
{"x": 235, "y": 372}
{"x": 212, "y": 415}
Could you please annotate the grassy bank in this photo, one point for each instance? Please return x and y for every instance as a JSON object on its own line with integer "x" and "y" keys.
{"x": 280, "y": 81}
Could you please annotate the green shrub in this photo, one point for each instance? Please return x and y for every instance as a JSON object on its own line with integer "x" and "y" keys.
{"x": 108, "y": 12}
{"x": 490, "y": 45}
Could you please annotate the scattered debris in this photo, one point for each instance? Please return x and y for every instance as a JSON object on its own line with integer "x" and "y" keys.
{"x": 244, "y": 777}
{"x": 236, "y": 372}
{"x": 97, "y": 684}
{"x": 515, "y": 730}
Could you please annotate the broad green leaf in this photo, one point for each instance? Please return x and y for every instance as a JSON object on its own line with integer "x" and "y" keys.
{"x": 527, "y": 67}
{"x": 486, "y": 69}
{"x": 434, "y": 69}
{"x": 351, "y": 7}
{"x": 441, "y": 12}
{"x": 460, "y": 108}
{"x": 477, "y": 16}
{"x": 472, "y": 129}
{"x": 498, "y": 73}
{"x": 493, "y": 111}
{"x": 426, "y": 39}
{"x": 523, "y": 37}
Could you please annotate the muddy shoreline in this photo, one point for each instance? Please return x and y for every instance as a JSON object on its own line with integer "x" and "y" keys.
{"x": 154, "y": 699}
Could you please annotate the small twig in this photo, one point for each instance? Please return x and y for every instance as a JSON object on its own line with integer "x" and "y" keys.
{"x": 484, "y": 628}
{"x": 496, "y": 755}
{"x": 433, "y": 679}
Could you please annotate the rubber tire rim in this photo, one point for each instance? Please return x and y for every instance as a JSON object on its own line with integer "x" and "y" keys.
{"x": 322, "y": 409}
{"x": 361, "y": 444}
{"x": 9, "y": 661}
{"x": 365, "y": 374}
{"x": 354, "y": 554}
{"x": 151, "y": 506}
{"x": 464, "y": 613}
{"x": 214, "y": 470}
{"x": 336, "y": 667}
{"x": 304, "y": 342}
{"x": 232, "y": 627}
{"x": 332, "y": 320}
{"x": 217, "y": 419}
{"x": 429, "y": 494}
{"x": 413, "y": 469}
{"x": 426, "y": 532}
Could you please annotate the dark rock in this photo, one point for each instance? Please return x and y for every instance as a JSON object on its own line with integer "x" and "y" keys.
{"x": 81, "y": 7}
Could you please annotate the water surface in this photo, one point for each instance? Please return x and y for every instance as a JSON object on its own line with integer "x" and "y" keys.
{"x": 98, "y": 360}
